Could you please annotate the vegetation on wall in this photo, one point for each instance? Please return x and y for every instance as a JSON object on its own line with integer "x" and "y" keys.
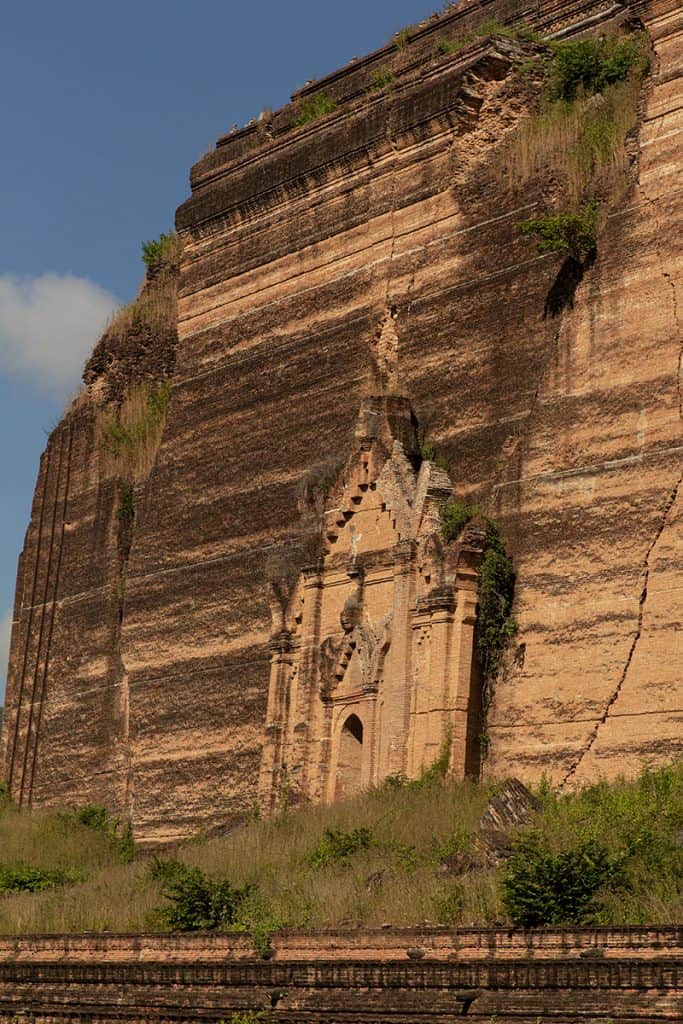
{"x": 163, "y": 253}
{"x": 129, "y": 435}
{"x": 585, "y": 67}
{"x": 403, "y": 853}
{"x": 151, "y": 315}
{"x": 313, "y": 108}
{"x": 125, "y": 509}
{"x": 381, "y": 79}
{"x": 402, "y": 37}
{"x": 496, "y": 585}
{"x": 487, "y": 28}
{"x": 576, "y": 143}
{"x": 572, "y": 234}
{"x": 428, "y": 453}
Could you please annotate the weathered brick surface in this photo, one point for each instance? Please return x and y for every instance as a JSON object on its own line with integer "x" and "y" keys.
{"x": 403, "y": 976}
{"x": 297, "y": 245}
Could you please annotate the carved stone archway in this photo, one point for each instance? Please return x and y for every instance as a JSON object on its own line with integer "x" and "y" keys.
{"x": 381, "y": 628}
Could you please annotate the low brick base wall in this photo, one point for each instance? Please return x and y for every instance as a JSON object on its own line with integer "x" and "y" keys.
{"x": 387, "y": 977}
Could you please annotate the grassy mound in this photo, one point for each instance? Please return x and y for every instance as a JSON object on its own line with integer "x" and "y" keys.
{"x": 402, "y": 854}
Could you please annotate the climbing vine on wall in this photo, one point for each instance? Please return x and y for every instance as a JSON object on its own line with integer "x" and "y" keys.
{"x": 496, "y": 585}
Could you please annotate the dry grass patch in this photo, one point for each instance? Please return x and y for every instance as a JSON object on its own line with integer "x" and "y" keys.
{"x": 578, "y": 147}
{"x": 392, "y": 879}
{"x": 378, "y": 859}
{"x": 153, "y": 312}
{"x": 129, "y": 436}
{"x": 119, "y": 898}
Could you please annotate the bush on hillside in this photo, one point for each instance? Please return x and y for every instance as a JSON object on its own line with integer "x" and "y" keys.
{"x": 338, "y": 845}
{"x": 196, "y": 902}
{"x": 391, "y": 869}
{"x": 96, "y": 818}
{"x": 23, "y": 878}
{"x": 545, "y": 888}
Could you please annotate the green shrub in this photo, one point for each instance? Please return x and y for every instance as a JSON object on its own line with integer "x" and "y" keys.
{"x": 454, "y": 518}
{"x": 24, "y": 878}
{"x": 197, "y": 902}
{"x": 444, "y": 46}
{"x": 95, "y": 817}
{"x": 381, "y": 79}
{"x": 545, "y": 888}
{"x": 571, "y": 234}
{"x": 162, "y": 252}
{"x": 338, "y": 846}
{"x": 428, "y": 453}
{"x": 315, "y": 107}
{"x": 92, "y": 816}
{"x": 590, "y": 65}
{"x": 641, "y": 822}
{"x": 437, "y": 771}
{"x": 165, "y": 869}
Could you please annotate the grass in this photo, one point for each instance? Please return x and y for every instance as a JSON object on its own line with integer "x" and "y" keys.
{"x": 402, "y": 37}
{"x": 487, "y": 28}
{"x": 129, "y": 436}
{"x": 577, "y": 146}
{"x": 373, "y": 860}
{"x": 152, "y": 313}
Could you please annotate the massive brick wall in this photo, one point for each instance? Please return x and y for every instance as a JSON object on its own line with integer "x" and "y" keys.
{"x": 298, "y": 245}
{"x": 428, "y": 976}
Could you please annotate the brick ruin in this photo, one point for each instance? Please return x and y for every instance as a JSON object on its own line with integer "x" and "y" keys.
{"x": 424, "y": 975}
{"x": 370, "y": 263}
{"x": 373, "y": 656}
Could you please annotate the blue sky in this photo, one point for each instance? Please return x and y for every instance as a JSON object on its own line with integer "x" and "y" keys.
{"x": 105, "y": 107}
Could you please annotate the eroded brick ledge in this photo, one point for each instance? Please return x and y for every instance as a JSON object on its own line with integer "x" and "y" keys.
{"x": 398, "y": 975}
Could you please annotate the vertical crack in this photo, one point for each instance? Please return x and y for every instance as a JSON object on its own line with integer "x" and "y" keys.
{"x": 645, "y": 574}
{"x": 649, "y": 202}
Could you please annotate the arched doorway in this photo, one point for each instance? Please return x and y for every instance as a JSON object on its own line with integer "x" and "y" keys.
{"x": 350, "y": 761}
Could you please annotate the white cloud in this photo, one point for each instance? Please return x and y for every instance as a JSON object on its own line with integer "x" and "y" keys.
{"x": 49, "y": 325}
{"x": 5, "y": 629}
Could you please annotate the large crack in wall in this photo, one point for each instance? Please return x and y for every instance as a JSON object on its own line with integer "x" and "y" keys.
{"x": 649, "y": 203}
